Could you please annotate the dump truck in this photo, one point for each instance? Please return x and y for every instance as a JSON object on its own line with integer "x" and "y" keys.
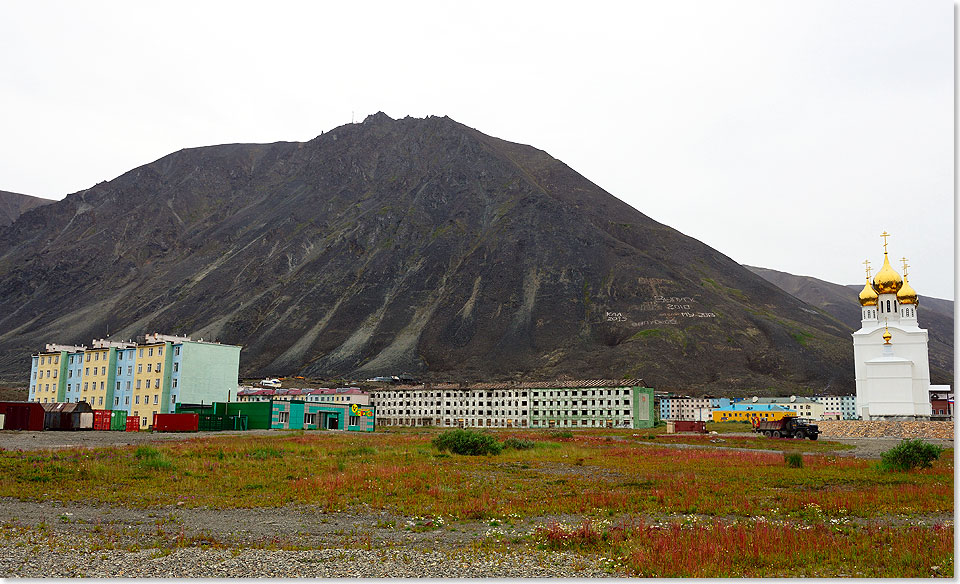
{"x": 788, "y": 427}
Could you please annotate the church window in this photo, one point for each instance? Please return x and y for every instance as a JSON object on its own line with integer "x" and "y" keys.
{"x": 888, "y": 306}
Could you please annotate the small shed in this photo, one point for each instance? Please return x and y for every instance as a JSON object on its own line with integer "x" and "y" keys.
{"x": 68, "y": 416}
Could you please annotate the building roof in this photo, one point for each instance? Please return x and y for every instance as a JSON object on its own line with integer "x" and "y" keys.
{"x": 752, "y": 407}
{"x": 557, "y": 384}
{"x": 785, "y": 400}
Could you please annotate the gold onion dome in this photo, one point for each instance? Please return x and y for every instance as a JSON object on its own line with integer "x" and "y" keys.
{"x": 907, "y": 295}
{"x": 868, "y": 296}
{"x": 887, "y": 280}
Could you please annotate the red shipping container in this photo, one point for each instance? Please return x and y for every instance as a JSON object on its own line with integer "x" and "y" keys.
{"x": 22, "y": 416}
{"x": 689, "y": 426}
{"x": 176, "y": 422}
{"x": 133, "y": 424}
{"x": 101, "y": 419}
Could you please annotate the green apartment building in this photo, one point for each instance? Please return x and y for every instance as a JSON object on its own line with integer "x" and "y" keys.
{"x": 594, "y": 403}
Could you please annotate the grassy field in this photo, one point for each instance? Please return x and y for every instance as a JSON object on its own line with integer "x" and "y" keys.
{"x": 646, "y": 505}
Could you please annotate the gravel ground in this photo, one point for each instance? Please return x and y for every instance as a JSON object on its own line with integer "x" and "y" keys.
{"x": 20, "y": 562}
{"x": 53, "y": 539}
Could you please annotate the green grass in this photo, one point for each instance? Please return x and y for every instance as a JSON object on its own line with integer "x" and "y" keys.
{"x": 401, "y": 472}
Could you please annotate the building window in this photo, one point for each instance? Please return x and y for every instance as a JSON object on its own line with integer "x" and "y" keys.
{"x": 159, "y": 350}
{"x": 174, "y": 382}
{"x": 176, "y": 350}
{"x": 176, "y": 367}
{"x": 116, "y": 401}
{"x": 136, "y": 399}
{"x": 140, "y": 368}
{"x": 150, "y": 352}
{"x": 158, "y": 368}
{"x": 156, "y": 399}
{"x": 149, "y": 366}
{"x": 138, "y": 384}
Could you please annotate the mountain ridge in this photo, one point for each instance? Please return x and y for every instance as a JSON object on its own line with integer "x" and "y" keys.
{"x": 12, "y": 205}
{"x": 416, "y": 244}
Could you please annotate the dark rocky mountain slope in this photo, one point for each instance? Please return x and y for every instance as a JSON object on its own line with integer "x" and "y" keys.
{"x": 12, "y": 205}
{"x": 935, "y": 314}
{"x": 413, "y": 245}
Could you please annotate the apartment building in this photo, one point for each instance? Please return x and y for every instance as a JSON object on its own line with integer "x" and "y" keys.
{"x": 561, "y": 404}
{"x": 838, "y": 407}
{"x": 142, "y": 378}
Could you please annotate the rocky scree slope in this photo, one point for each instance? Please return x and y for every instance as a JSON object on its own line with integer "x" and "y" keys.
{"x": 413, "y": 245}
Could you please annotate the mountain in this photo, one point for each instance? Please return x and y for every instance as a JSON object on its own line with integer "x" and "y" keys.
{"x": 840, "y": 301}
{"x": 412, "y": 245}
{"x": 12, "y": 205}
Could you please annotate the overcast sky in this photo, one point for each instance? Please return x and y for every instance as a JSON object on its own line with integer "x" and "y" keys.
{"x": 786, "y": 134}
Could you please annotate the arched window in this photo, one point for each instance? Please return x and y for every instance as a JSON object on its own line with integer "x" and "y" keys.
{"x": 888, "y": 306}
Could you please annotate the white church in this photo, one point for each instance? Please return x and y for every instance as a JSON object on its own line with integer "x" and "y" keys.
{"x": 890, "y": 349}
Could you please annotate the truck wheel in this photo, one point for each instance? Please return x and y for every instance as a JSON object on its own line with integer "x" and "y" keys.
{"x": 799, "y": 435}
{"x": 766, "y": 433}
{"x": 814, "y": 436}
{"x": 776, "y": 433}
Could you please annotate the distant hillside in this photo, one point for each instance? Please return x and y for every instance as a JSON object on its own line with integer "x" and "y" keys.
{"x": 12, "y": 205}
{"x": 415, "y": 245}
{"x": 935, "y": 314}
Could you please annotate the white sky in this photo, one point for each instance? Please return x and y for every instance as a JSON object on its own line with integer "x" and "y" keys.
{"x": 786, "y": 134}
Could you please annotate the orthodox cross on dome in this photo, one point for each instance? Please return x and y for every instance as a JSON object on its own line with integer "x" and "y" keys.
{"x": 867, "y": 263}
{"x": 884, "y": 235}
{"x": 905, "y": 266}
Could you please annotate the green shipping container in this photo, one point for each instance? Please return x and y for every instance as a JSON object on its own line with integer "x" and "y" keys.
{"x": 118, "y": 420}
{"x": 213, "y": 423}
{"x": 258, "y": 414}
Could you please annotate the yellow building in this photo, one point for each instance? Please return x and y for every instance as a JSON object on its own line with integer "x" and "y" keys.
{"x": 95, "y": 377}
{"x": 148, "y": 383}
{"x": 46, "y": 378}
{"x": 751, "y": 412}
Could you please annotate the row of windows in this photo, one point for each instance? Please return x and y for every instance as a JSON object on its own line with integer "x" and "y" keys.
{"x": 581, "y": 413}
{"x": 98, "y": 401}
{"x": 514, "y": 393}
{"x": 79, "y": 358}
{"x": 417, "y": 412}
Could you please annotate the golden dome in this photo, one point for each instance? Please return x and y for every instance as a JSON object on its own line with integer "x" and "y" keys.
{"x": 886, "y": 336}
{"x": 907, "y": 295}
{"x": 887, "y": 281}
{"x": 868, "y": 296}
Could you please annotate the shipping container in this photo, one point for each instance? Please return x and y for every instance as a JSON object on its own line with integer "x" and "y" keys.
{"x": 133, "y": 424}
{"x": 102, "y": 419}
{"x": 22, "y": 416}
{"x": 214, "y": 423}
{"x": 175, "y": 422}
{"x": 690, "y": 426}
{"x": 118, "y": 420}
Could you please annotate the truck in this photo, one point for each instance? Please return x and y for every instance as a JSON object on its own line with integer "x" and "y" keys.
{"x": 788, "y": 427}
